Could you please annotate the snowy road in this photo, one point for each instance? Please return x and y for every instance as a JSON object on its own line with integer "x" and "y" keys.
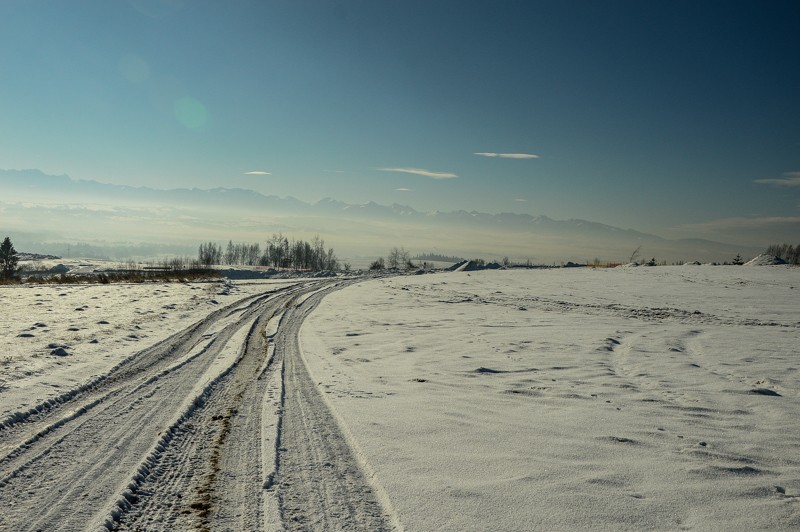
{"x": 218, "y": 427}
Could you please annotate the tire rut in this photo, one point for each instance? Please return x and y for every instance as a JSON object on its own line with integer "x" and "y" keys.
{"x": 61, "y": 474}
{"x": 180, "y": 490}
{"x": 212, "y": 474}
{"x": 48, "y": 415}
{"x": 319, "y": 482}
{"x": 257, "y": 449}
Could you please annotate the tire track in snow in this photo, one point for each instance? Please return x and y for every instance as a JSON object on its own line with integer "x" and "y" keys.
{"x": 643, "y": 313}
{"x": 320, "y": 482}
{"x": 244, "y": 453}
{"x": 157, "y": 355}
{"x": 60, "y": 476}
{"x": 148, "y": 366}
{"x": 180, "y": 488}
{"x": 178, "y": 492}
{"x": 220, "y": 432}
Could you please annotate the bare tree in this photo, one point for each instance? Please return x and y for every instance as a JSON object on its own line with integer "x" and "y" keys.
{"x": 405, "y": 258}
{"x": 209, "y": 254}
{"x": 635, "y": 253}
{"x": 230, "y": 253}
{"x": 787, "y": 252}
{"x": 399, "y": 258}
{"x": 393, "y": 259}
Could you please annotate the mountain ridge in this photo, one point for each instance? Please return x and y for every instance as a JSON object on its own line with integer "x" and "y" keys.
{"x": 531, "y": 230}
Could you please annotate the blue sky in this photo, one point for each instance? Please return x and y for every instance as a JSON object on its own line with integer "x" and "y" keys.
{"x": 677, "y": 118}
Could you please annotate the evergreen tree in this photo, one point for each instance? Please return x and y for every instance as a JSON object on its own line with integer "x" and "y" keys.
{"x": 8, "y": 259}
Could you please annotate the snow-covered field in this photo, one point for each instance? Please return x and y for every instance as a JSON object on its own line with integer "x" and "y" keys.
{"x": 57, "y": 337}
{"x": 628, "y": 399}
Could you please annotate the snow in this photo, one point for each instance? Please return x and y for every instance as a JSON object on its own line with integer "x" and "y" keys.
{"x": 57, "y": 338}
{"x": 765, "y": 260}
{"x": 642, "y": 398}
{"x": 661, "y": 398}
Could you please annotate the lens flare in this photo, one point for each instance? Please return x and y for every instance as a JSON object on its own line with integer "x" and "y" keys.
{"x": 191, "y": 112}
{"x": 134, "y": 68}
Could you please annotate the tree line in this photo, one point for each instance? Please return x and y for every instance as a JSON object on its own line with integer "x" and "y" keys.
{"x": 430, "y": 256}
{"x": 397, "y": 259}
{"x": 787, "y": 252}
{"x": 278, "y": 252}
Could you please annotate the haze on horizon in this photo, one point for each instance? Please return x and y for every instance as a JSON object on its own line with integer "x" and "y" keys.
{"x": 680, "y": 120}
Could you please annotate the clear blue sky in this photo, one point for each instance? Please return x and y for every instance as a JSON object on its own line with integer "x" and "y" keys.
{"x": 678, "y": 118}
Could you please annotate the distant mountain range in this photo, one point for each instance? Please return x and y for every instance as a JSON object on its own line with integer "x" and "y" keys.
{"x": 58, "y": 208}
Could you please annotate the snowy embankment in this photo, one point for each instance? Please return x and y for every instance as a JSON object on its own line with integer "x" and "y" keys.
{"x": 58, "y": 338}
{"x": 641, "y": 398}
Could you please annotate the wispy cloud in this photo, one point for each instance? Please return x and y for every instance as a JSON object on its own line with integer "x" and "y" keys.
{"x": 507, "y": 155}
{"x": 257, "y": 172}
{"x": 743, "y": 223}
{"x": 403, "y": 189}
{"x": 422, "y": 172}
{"x": 789, "y": 179}
{"x": 521, "y": 200}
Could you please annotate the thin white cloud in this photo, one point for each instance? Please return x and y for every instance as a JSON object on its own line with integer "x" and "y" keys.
{"x": 743, "y": 223}
{"x": 507, "y": 155}
{"x": 422, "y": 172}
{"x": 257, "y": 172}
{"x": 789, "y": 179}
{"x": 403, "y": 189}
{"x": 521, "y": 200}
